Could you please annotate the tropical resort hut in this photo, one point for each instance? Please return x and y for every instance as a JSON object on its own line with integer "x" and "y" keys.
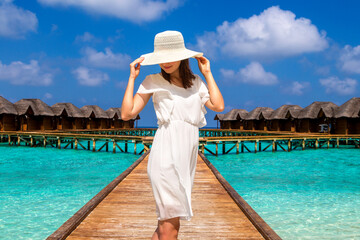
{"x": 347, "y": 117}
{"x": 34, "y": 114}
{"x": 219, "y": 118}
{"x": 258, "y": 118}
{"x": 8, "y": 115}
{"x": 283, "y": 118}
{"x": 96, "y": 117}
{"x": 310, "y": 118}
{"x": 68, "y": 116}
{"x": 234, "y": 119}
{"x": 116, "y": 121}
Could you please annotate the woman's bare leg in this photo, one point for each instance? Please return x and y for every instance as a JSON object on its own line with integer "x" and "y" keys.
{"x": 167, "y": 229}
{"x": 156, "y": 235}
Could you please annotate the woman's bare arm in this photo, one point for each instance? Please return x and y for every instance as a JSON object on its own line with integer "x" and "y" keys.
{"x": 132, "y": 105}
{"x": 216, "y": 102}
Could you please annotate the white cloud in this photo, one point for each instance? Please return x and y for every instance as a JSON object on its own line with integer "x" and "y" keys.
{"x": 350, "y": 59}
{"x": 90, "y": 77}
{"x": 106, "y": 59}
{"x": 48, "y": 96}
{"x": 86, "y": 37}
{"x": 15, "y": 22}
{"x": 342, "y": 87}
{"x": 274, "y": 32}
{"x": 297, "y": 88}
{"x": 254, "y": 73}
{"x": 19, "y": 73}
{"x": 132, "y": 10}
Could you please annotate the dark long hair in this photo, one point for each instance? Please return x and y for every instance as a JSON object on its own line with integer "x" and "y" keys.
{"x": 186, "y": 75}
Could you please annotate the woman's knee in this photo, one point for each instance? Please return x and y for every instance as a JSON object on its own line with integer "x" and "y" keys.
{"x": 169, "y": 229}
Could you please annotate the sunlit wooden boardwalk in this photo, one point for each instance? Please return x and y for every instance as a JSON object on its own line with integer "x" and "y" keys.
{"x": 128, "y": 211}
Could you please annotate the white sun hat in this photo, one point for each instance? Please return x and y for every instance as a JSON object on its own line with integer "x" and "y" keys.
{"x": 169, "y": 46}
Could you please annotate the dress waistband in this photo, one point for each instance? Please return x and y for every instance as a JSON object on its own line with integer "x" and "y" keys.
{"x": 176, "y": 120}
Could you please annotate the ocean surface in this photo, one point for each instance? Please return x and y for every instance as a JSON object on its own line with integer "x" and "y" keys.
{"x": 41, "y": 188}
{"x": 311, "y": 194}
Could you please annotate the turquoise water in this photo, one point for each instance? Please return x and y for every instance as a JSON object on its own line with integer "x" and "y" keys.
{"x": 41, "y": 188}
{"x": 312, "y": 194}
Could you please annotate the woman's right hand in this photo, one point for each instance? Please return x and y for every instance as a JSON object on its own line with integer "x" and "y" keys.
{"x": 135, "y": 67}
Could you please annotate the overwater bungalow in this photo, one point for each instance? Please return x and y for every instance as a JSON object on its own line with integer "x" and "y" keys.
{"x": 258, "y": 118}
{"x": 310, "y": 118}
{"x": 8, "y": 115}
{"x": 116, "y": 121}
{"x": 234, "y": 119}
{"x": 347, "y": 117}
{"x": 219, "y": 117}
{"x": 34, "y": 114}
{"x": 68, "y": 116}
{"x": 283, "y": 118}
{"x": 96, "y": 117}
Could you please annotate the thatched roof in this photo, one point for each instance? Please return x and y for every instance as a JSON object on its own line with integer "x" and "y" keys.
{"x": 39, "y": 107}
{"x": 259, "y": 112}
{"x": 7, "y": 107}
{"x": 285, "y": 111}
{"x": 69, "y": 108}
{"x": 98, "y": 111}
{"x": 235, "y": 114}
{"x": 219, "y": 116}
{"x": 312, "y": 111}
{"x": 350, "y": 109}
{"x": 112, "y": 112}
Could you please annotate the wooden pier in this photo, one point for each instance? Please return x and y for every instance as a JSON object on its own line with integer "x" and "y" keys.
{"x": 214, "y": 142}
{"x": 125, "y": 209}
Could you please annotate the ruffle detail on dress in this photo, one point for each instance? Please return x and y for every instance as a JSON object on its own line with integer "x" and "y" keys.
{"x": 162, "y": 97}
{"x": 204, "y": 96}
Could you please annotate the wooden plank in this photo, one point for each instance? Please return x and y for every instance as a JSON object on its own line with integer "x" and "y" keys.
{"x": 128, "y": 212}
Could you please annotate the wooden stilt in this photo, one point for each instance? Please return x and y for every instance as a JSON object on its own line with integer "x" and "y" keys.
{"x": 237, "y": 147}
{"x": 114, "y": 146}
{"x": 76, "y": 144}
{"x": 59, "y": 143}
{"x": 94, "y": 145}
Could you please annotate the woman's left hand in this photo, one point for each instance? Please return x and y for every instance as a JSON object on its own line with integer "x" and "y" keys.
{"x": 204, "y": 65}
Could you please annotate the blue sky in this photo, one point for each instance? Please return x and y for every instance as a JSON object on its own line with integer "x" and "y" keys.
{"x": 263, "y": 53}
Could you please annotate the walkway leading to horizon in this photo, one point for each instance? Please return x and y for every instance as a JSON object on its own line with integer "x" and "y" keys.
{"x": 128, "y": 211}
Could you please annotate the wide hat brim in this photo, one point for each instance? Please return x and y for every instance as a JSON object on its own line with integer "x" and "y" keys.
{"x": 168, "y": 56}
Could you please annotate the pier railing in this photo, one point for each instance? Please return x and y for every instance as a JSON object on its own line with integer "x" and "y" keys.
{"x": 140, "y": 140}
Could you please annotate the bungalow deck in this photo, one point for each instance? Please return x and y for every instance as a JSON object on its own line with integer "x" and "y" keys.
{"x": 125, "y": 209}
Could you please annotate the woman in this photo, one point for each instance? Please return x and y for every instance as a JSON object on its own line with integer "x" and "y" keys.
{"x": 179, "y": 98}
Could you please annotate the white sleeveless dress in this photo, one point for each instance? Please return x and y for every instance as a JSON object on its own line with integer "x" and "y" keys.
{"x": 172, "y": 159}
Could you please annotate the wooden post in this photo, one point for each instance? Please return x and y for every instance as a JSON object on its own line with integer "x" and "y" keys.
{"x": 242, "y": 147}
{"x": 216, "y": 148}
{"x": 202, "y": 148}
{"x": 31, "y": 141}
{"x": 114, "y": 146}
{"x": 303, "y": 144}
{"x": 88, "y": 145}
{"x": 237, "y": 147}
{"x": 76, "y": 144}
{"x": 59, "y": 142}
{"x": 44, "y": 141}
{"x": 317, "y": 143}
{"x": 223, "y": 147}
{"x": 18, "y": 140}
{"x": 94, "y": 145}
{"x": 135, "y": 147}
{"x": 337, "y": 142}
{"x": 256, "y": 143}
{"x": 274, "y": 145}
{"x": 126, "y": 146}
{"x": 289, "y": 145}
{"x": 107, "y": 146}
{"x": 9, "y": 139}
{"x": 328, "y": 142}
{"x": 259, "y": 146}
